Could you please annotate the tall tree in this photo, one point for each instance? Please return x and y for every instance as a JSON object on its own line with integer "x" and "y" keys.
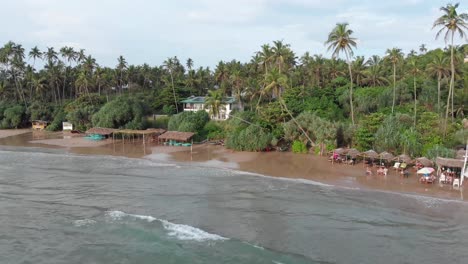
{"x": 35, "y": 54}
{"x": 395, "y": 56}
{"x": 170, "y": 65}
{"x": 414, "y": 71}
{"x": 439, "y": 67}
{"x": 423, "y": 49}
{"x": 451, "y": 22}
{"x": 214, "y": 103}
{"x": 121, "y": 66}
{"x": 340, "y": 41}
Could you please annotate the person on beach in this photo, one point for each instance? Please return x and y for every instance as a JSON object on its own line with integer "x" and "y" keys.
{"x": 385, "y": 171}
{"x": 368, "y": 171}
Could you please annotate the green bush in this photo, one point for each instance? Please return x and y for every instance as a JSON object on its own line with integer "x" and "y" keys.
{"x": 252, "y": 138}
{"x": 299, "y": 147}
{"x": 213, "y": 130}
{"x": 59, "y": 117}
{"x": 13, "y": 117}
{"x": 121, "y": 112}
{"x": 80, "y": 111}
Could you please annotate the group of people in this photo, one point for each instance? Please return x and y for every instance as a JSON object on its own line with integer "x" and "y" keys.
{"x": 382, "y": 170}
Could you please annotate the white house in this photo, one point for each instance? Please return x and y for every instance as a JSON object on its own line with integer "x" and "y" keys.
{"x": 196, "y": 103}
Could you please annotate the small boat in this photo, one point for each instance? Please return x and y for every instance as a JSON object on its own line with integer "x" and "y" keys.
{"x": 95, "y": 137}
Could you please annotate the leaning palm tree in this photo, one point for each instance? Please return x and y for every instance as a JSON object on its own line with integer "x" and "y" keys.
{"x": 340, "y": 40}
{"x": 450, "y": 23}
{"x": 439, "y": 68}
{"x": 394, "y": 55}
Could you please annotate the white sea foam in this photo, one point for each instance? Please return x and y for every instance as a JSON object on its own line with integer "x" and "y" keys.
{"x": 83, "y": 222}
{"x": 180, "y": 231}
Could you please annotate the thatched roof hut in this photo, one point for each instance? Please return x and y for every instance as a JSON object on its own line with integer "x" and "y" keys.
{"x": 101, "y": 131}
{"x": 370, "y": 154}
{"x": 460, "y": 154}
{"x": 386, "y": 156}
{"x": 178, "y": 136}
{"x": 353, "y": 153}
{"x": 425, "y": 161}
{"x": 340, "y": 151}
{"x": 446, "y": 162}
{"x": 403, "y": 158}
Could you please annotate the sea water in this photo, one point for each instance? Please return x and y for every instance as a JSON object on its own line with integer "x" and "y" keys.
{"x": 57, "y": 207}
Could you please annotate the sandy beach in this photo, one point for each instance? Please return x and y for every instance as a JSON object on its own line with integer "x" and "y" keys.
{"x": 276, "y": 164}
{"x": 13, "y": 132}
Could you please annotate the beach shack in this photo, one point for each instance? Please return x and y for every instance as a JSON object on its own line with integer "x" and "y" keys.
{"x": 176, "y": 138}
{"x": 450, "y": 170}
{"x": 67, "y": 126}
{"x": 101, "y": 131}
{"x": 39, "y": 124}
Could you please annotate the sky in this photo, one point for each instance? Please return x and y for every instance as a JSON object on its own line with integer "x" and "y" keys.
{"x": 212, "y": 30}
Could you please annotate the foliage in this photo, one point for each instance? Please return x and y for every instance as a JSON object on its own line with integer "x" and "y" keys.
{"x": 439, "y": 151}
{"x": 122, "y": 112}
{"x": 189, "y": 122}
{"x": 252, "y": 138}
{"x": 299, "y": 147}
{"x": 79, "y": 112}
{"x": 13, "y": 117}
{"x": 59, "y": 117}
{"x": 213, "y": 130}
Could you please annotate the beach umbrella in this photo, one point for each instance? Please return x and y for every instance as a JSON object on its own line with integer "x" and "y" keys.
{"x": 370, "y": 154}
{"x": 404, "y": 158}
{"x": 460, "y": 154}
{"x": 426, "y": 170}
{"x": 424, "y": 161}
{"x": 339, "y": 151}
{"x": 386, "y": 156}
{"x": 353, "y": 153}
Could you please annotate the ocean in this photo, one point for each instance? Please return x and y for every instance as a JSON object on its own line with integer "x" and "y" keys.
{"x": 58, "y": 207}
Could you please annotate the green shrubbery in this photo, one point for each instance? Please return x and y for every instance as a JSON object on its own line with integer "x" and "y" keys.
{"x": 252, "y": 138}
{"x": 13, "y": 117}
{"x": 122, "y": 112}
{"x": 299, "y": 147}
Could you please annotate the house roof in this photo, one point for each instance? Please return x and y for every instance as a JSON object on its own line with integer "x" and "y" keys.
{"x": 201, "y": 100}
{"x": 101, "y": 131}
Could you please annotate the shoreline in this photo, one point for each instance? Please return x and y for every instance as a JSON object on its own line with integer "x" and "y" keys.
{"x": 281, "y": 165}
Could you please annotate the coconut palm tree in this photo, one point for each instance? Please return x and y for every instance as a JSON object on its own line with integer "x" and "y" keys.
{"x": 189, "y": 64}
{"x": 35, "y": 54}
{"x": 423, "y": 48}
{"x": 451, "y": 22}
{"x": 266, "y": 55}
{"x": 121, "y": 66}
{"x": 170, "y": 65}
{"x": 281, "y": 54}
{"x": 394, "y": 56}
{"x": 214, "y": 103}
{"x": 414, "y": 71}
{"x": 51, "y": 54}
{"x": 340, "y": 41}
{"x": 439, "y": 68}
{"x": 359, "y": 68}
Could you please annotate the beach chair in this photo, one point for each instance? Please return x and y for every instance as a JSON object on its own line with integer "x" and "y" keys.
{"x": 456, "y": 183}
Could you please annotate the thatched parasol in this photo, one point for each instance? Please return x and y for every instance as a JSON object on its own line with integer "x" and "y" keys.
{"x": 460, "y": 154}
{"x": 454, "y": 163}
{"x": 425, "y": 161}
{"x": 370, "y": 154}
{"x": 403, "y": 158}
{"x": 340, "y": 151}
{"x": 353, "y": 153}
{"x": 386, "y": 156}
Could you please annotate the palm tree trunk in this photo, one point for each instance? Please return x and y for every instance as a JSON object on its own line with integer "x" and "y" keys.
{"x": 415, "y": 100}
{"x": 350, "y": 88}
{"x": 452, "y": 79}
{"x": 173, "y": 91}
{"x": 394, "y": 86}
{"x": 438, "y": 93}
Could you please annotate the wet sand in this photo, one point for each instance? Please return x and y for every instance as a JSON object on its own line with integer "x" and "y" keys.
{"x": 13, "y": 132}
{"x": 276, "y": 164}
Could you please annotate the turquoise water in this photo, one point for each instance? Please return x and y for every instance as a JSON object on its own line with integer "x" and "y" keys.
{"x": 57, "y": 207}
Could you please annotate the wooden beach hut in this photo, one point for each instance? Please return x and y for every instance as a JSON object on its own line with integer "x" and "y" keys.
{"x": 455, "y": 169}
{"x": 105, "y": 132}
{"x": 39, "y": 124}
{"x": 176, "y": 136}
{"x": 386, "y": 157}
{"x": 145, "y": 134}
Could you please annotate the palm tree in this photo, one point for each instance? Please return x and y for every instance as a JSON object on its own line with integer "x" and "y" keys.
{"x": 170, "y": 65}
{"x": 422, "y": 48}
{"x": 214, "y": 102}
{"x": 275, "y": 82}
{"x": 121, "y": 66}
{"x": 281, "y": 54}
{"x": 439, "y": 68}
{"x": 189, "y": 64}
{"x": 414, "y": 70}
{"x": 359, "y": 69}
{"x": 265, "y": 56}
{"x": 340, "y": 40}
{"x": 451, "y": 22}
{"x": 394, "y": 55}
{"x": 34, "y": 54}
{"x": 51, "y": 54}
{"x": 373, "y": 75}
